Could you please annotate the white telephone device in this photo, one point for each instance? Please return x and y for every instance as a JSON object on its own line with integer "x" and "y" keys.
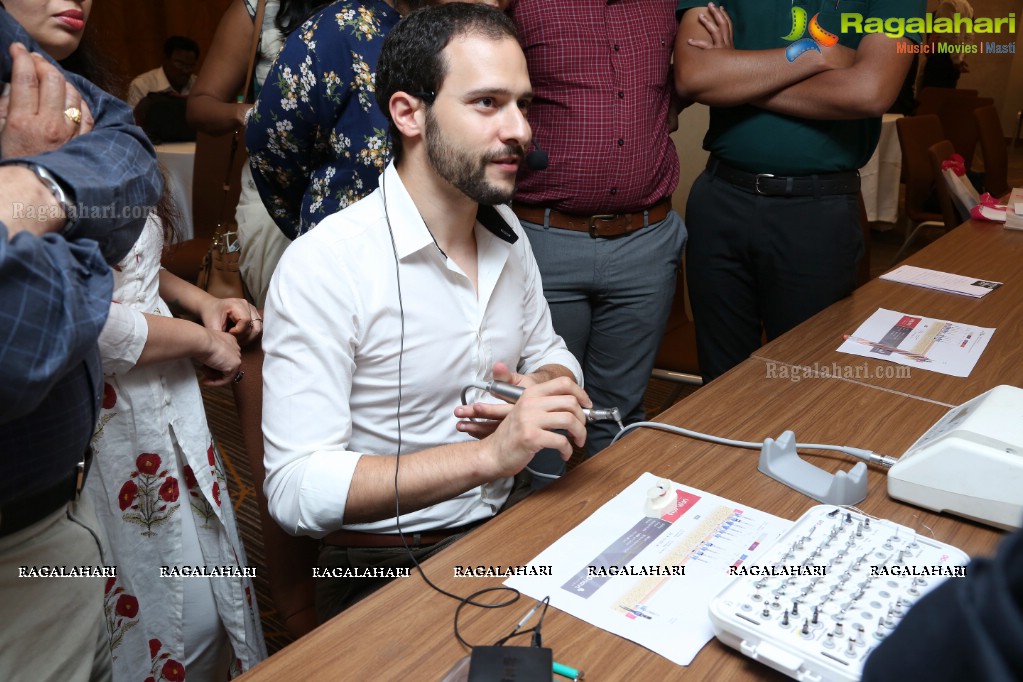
{"x": 970, "y": 463}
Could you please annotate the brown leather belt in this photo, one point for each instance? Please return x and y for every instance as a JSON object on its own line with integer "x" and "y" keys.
{"x": 353, "y": 538}
{"x": 601, "y": 225}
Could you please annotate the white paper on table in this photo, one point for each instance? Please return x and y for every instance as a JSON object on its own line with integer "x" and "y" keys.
{"x": 922, "y": 342}
{"x": 702, "y": 533}
{"x": 942, "y": 281}
{"x": 993, "y": 213}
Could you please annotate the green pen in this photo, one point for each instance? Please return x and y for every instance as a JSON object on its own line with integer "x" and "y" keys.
{"x": 565, "y": 671}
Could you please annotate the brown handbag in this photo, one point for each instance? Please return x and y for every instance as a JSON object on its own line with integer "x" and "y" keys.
{"x": 219, "y": 274}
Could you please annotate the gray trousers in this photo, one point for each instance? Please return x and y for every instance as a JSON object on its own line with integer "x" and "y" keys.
{"x": 54, "y": 628}
{"x": 609, "y": 300}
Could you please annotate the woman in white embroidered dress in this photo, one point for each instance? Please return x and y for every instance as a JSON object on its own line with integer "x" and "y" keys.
{"x": 167, "y": 511}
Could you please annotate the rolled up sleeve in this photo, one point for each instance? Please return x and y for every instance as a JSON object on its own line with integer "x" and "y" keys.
{"x": 122, "y": 339}
{"x": 307, "y": 381}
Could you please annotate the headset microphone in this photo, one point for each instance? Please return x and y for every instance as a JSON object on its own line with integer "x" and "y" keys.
{"x": 536, "y": 160}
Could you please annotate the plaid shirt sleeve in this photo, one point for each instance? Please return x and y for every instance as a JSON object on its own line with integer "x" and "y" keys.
{"x": 54, "y": 298}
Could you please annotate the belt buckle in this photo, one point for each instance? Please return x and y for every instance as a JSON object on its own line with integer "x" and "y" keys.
{"x": 601, "y": 216}
{"x": 756, "y": 182}
{"x": 79, "y": 477}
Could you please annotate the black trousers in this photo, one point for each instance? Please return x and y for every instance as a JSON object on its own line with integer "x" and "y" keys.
{"x": 762, "y": 264}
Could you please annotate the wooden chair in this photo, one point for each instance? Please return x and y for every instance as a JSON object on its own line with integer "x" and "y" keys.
{"x": 959, "y": 124}
{"x": 209, "y": 205}
{"x": 676, "y": 359}
{"x": 937, "y": 154}
{"x": 289, "y": 559}
{"x": 929, "y": 100}
{"x": 992, "y": 147}
{"x": 916, "y": 135}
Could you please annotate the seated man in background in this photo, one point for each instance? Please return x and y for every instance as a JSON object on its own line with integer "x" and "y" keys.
{"x": 377, "y": 319}
{"x": 174, "y": 77}
{"x": 159, "y": 97}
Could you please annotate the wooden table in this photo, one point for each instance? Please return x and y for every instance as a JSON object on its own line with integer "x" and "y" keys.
{"x": 404, "y": 631}
{"x": 983, "y": 250}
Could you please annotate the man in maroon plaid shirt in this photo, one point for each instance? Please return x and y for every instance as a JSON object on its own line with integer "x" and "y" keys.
{"x": 599, "y": 216}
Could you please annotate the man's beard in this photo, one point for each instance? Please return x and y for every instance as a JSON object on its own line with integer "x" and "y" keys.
{"x": 463, "y": 171}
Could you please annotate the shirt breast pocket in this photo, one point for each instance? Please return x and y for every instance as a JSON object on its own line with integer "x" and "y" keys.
{"x": 653, "y": 60}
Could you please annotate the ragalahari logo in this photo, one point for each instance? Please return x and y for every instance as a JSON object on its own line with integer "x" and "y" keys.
{"x": 817, "y": 39}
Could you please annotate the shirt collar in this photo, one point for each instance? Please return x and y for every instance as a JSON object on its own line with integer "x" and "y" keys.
{"x": 407, "y": 225}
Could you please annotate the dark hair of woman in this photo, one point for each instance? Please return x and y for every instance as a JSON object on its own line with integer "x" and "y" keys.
{"x": 89, "y": 63}
{"x": 92, "y": 65}
{"x": 292, "y": 13}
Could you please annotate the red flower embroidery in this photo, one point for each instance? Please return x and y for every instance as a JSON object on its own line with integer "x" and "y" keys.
{"x": 173, "y": 671}
{"x": 216, "y": 493}
{"x": 154, "y": 647}
{"x": 190, "y": 481}
{"x": 109, "y": 396}
{"x": 209, "y": 454}
{"x": 148, "y": 464}
{"x": 110, "y": 585}
{"x": 127, "y": 606}
{"x": 169, "y": 489}
{"x": 126, "y": 497}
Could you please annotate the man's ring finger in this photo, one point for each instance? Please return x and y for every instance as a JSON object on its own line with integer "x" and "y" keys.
{"x": 74, "y": 114}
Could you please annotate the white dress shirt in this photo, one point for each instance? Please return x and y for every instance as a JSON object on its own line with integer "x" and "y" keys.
{"x": 334, "y": 343}
{"x": 153, "y": 81}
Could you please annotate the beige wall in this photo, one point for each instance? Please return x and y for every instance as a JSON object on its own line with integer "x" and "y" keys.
{"x": 692, "y": 125}
{"x": 999, "y": 76}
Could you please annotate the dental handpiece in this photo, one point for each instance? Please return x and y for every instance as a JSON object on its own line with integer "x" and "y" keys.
{"x": 512, "y": 393}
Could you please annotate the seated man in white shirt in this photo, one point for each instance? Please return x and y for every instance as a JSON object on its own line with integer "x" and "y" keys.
{"x": 175, "y": 76}
{"x": 378, "y": 318}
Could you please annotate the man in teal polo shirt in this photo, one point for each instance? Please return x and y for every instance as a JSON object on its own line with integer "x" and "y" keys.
{"x": 796, "y": 105}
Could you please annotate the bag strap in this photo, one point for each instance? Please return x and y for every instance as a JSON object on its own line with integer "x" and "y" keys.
{"x": 257, "y": 34}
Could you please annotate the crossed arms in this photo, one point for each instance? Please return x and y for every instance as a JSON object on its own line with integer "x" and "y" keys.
{"x": 835, "y": 83}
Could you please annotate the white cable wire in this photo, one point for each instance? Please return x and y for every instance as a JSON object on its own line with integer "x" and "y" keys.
{"x": 855, "y": 452}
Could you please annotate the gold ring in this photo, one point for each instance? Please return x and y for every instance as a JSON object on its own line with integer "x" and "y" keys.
{"x": 74, "y": 114}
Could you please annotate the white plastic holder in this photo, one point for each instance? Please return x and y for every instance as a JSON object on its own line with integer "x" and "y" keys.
{"x": 780, "y": 461}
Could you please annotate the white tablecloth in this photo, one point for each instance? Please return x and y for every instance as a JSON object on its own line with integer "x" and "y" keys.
{"x": 879, "y": 179}
{"x": 178, "y": 158}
